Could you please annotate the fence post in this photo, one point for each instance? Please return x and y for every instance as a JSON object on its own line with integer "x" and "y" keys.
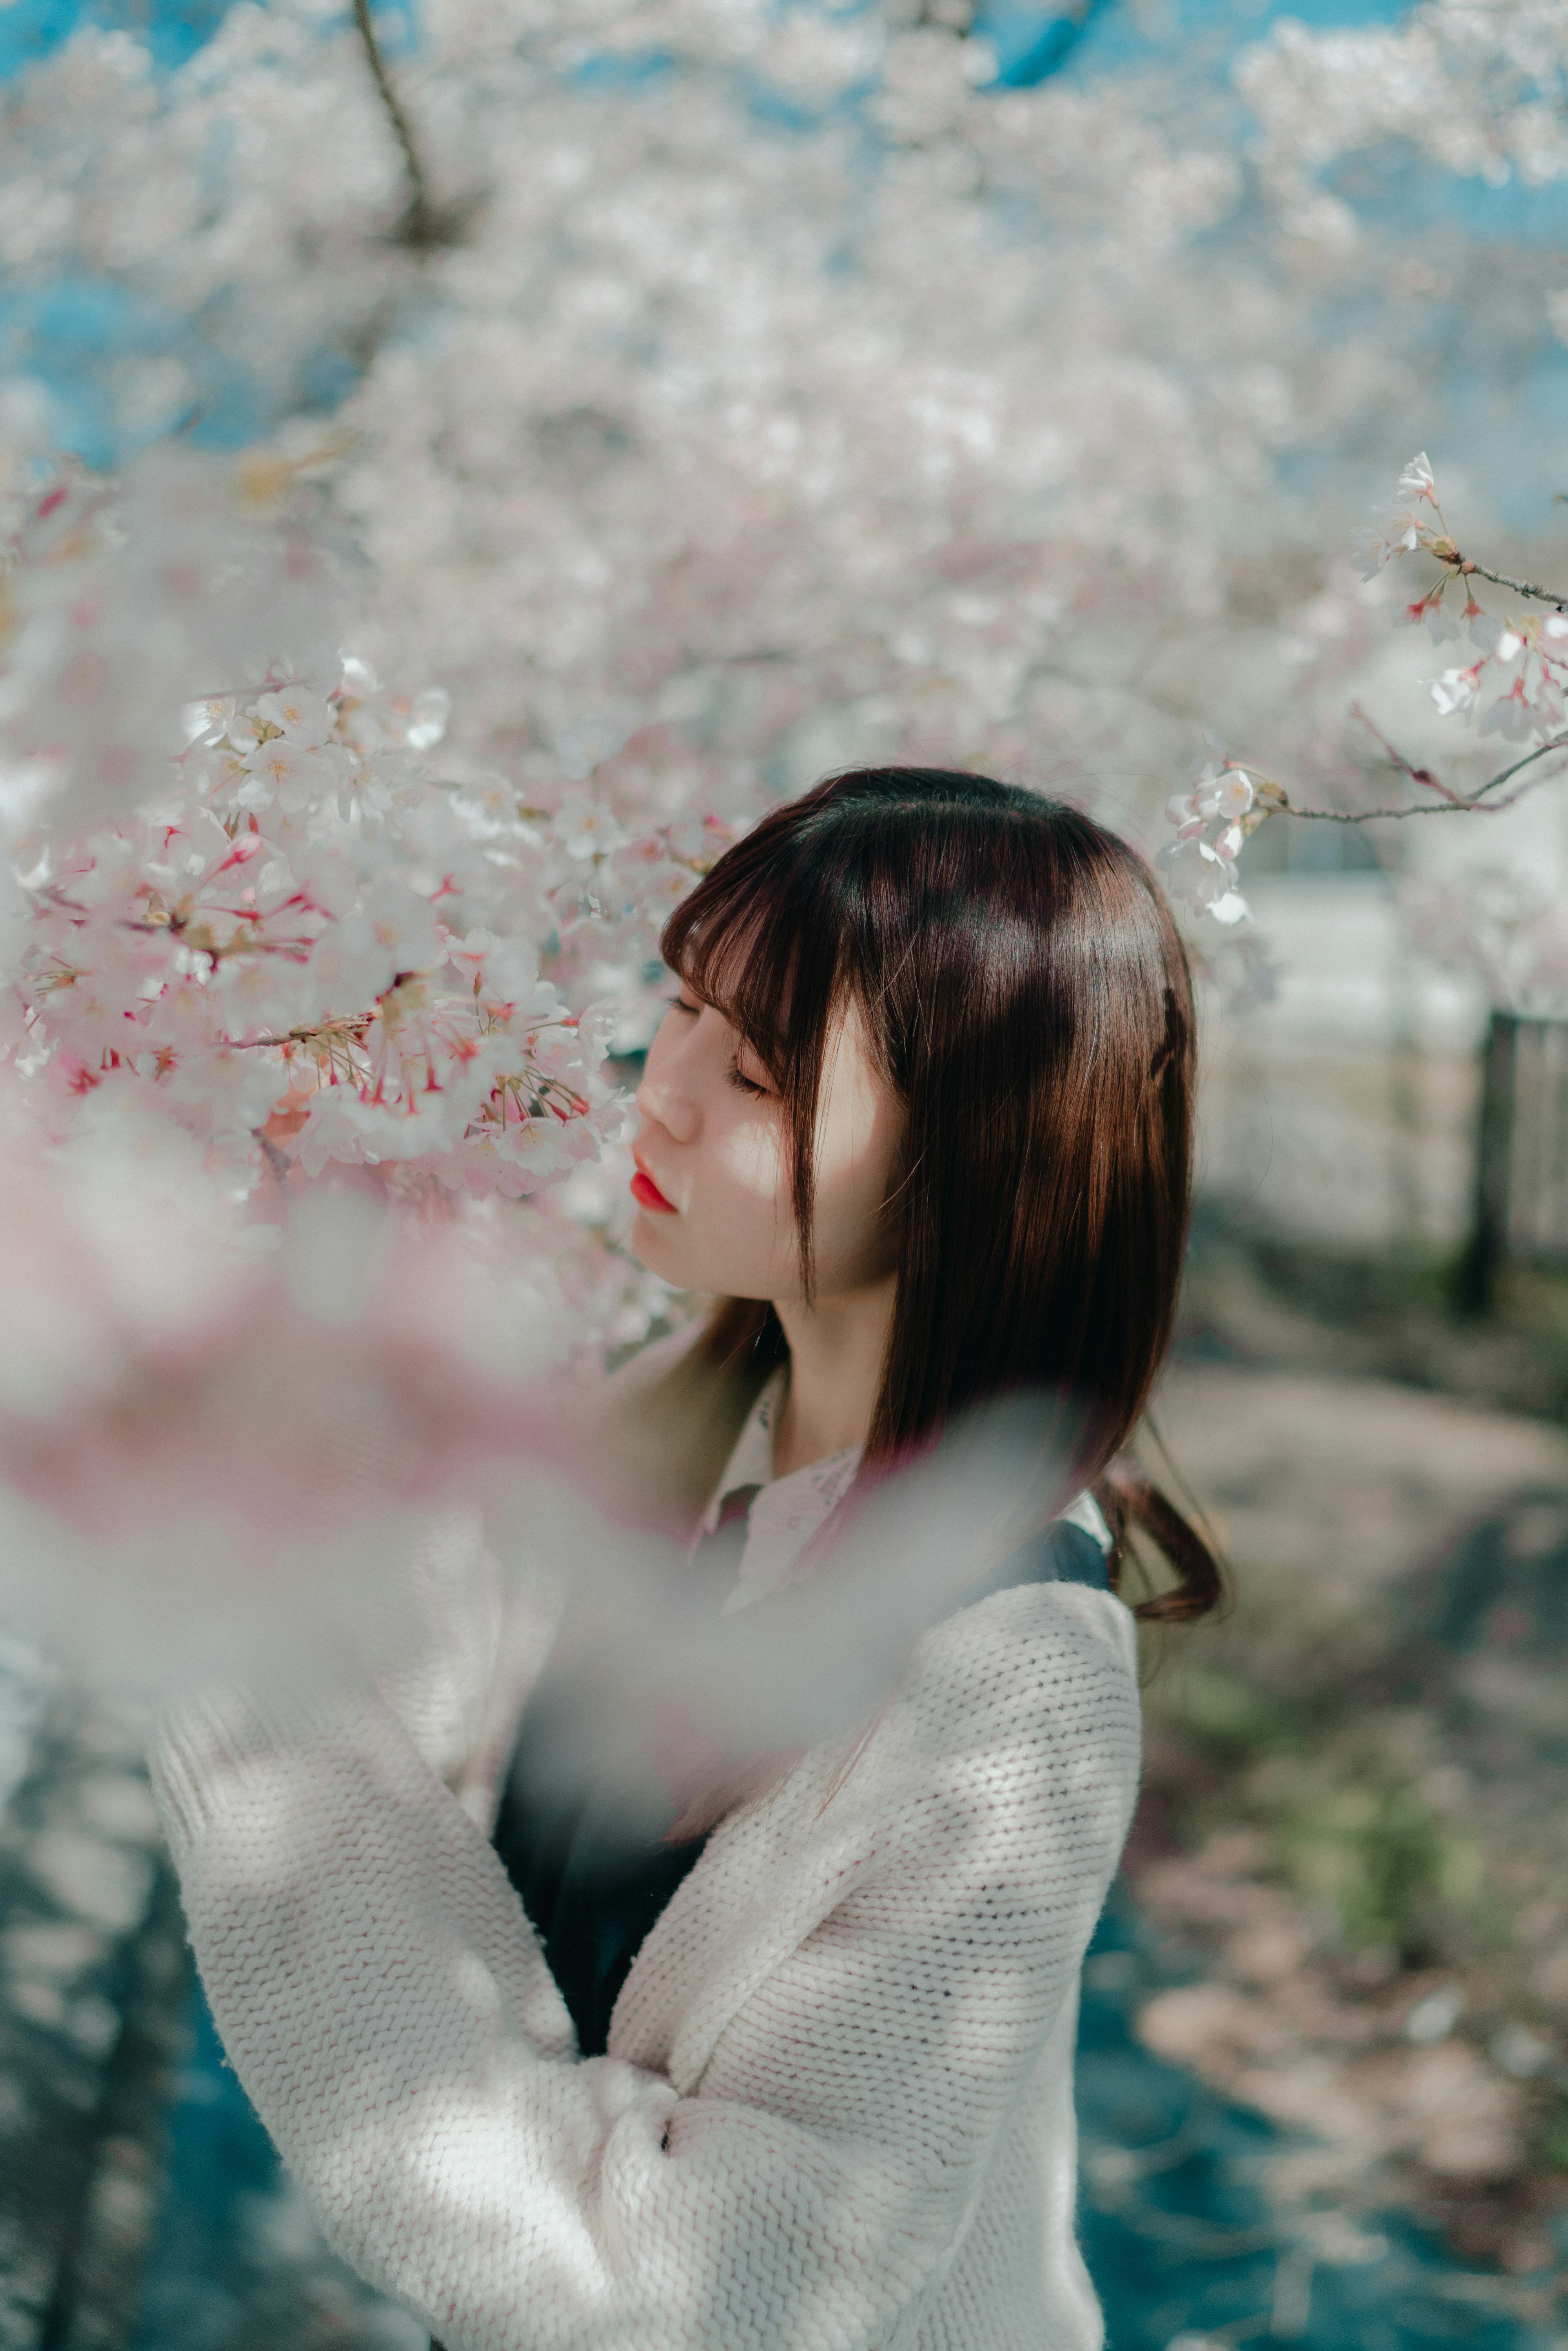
{"x": 1476, "y": 1285}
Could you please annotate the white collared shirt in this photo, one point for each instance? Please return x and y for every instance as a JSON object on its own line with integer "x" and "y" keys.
{"x": 785, "y": 1512}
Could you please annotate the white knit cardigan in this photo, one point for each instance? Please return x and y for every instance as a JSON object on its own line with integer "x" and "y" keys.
{"x": 836, "y": 2111}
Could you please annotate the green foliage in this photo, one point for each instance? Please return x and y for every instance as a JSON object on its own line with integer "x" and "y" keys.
{"x": 1552, "y": 2133}
{"x": 1341, "y": 1803}
{"x": 1235, "y": 1715}
{"x": 1381, "y": 1858}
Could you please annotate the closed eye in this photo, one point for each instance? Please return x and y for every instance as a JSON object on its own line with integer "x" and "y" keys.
{"x": 744, "y": 1084}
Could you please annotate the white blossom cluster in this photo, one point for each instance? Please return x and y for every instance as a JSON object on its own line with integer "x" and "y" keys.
{"x": 1525, "y": 659}
{"x": 1515, "y": 685}
{"x": 125, "y": 600}
{"x": 295, "y": 937}
{"x": 775, "y": 451}
{"x": 1199, "y": 864}
{"x": 1506, "y": 927}
{"x": 786, "y": 396}
{"x": 1477, "y": 86}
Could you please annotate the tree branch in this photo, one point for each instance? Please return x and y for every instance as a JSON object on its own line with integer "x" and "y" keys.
{"x": 1466, "y": 568}
{"x": 1505, "y": 774}
{"x": 422, "y": 224}
{"x": 1397, "y": 759}
{"x": 1376, "y": 816}
{"x": 1273, "y": 801}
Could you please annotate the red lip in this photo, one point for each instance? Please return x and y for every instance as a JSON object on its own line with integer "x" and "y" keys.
{"x": 646, "y": 1192}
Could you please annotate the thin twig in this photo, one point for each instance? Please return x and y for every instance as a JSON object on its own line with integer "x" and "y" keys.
{"x": 1417, "y": 775}
{"x": 1462, "y": 564}
{"x": 1505, "y": 774}
{"x": 1455, "y": 565}
{"x": 344, "y": 1031}
{"x": 421, "y": 224}
{"x": 1374, "y": 815}
{"x": 1451, "y": 804}
{"x": 1416, "y": 807}
{"x": 277, "y": 1161}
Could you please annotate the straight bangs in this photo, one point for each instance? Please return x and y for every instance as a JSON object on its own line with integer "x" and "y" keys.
{"x": 767, "y": 939}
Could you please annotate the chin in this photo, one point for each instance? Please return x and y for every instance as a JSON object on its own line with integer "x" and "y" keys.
{"x": 649, "y": 1243}
{"x": 669, "y": 1254}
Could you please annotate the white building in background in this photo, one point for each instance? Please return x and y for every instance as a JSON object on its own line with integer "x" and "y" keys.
{"x": 1344, "y": 1110}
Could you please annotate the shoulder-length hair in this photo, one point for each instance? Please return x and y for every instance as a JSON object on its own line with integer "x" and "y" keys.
{"x": 1026, "y": 996}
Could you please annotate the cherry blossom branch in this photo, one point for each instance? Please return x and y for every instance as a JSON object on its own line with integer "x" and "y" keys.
{"x": 1376, "y": 816}
{"x": 1397, "y": 759}
{"x": 329, "y": 1032}
{"x": 351, "y": 1024}
{"x": 1274, "y": 801}
{"x": 1558, "y": 743}
{"x": 533, "y": 1090}
{"x": 1524, "y": 660}
{"x": 1230, "y": 801}
{"x": 1418, "y": 483}
{"x": 1465, "y": 568}
{"x": 422, "y": 225}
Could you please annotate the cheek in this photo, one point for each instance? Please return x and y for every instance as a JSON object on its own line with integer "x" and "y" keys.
{"x": 748, "y": 1162}
{"x": 745, "y": 1190}
{"x": 855, "y": 1241}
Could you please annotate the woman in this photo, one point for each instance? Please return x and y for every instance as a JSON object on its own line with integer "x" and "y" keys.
{"x": 801, "y": 2076}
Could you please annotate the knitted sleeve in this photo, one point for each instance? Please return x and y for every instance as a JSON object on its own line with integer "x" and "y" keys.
{"x": 386, "y": 2005}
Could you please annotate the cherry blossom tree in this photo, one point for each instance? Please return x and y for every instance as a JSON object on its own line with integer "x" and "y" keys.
{"x": 783, "y": 390}
{"x": 292, "y": 931}
{"x": 670, "y": 402}
{"x": 1475, "y": 89}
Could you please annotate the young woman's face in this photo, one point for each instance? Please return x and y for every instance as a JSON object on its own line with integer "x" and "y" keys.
{"x": 712, "y": 1189}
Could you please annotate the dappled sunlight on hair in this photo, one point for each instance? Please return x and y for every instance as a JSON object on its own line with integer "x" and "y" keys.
{"x": 1026, "y": 996}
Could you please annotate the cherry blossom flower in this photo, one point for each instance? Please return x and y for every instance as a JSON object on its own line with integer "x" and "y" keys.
{"x": 102, "y": 573}
{"x": 1455, "y": 690}
{"x": 1199, "y": 865}
{"x": 1415, "y": 481}
{"x": 300, "y": 714}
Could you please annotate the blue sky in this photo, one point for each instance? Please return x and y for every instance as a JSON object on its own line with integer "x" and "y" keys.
{"x": 1029, "y": 39}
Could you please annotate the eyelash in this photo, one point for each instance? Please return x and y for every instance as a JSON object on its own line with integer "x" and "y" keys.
{"x": 742, "y": 1084}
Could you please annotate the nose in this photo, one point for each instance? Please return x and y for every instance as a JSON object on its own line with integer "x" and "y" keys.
{"x": 663, "y": 1099}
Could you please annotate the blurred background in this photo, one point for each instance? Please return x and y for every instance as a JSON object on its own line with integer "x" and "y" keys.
{"x": 707, "y": 396}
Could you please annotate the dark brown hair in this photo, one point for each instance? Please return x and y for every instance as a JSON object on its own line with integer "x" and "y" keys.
{"x": 1026, "y": 996}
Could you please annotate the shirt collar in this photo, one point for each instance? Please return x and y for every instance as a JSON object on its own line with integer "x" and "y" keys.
{"x": 750, "y": 1460}
{"x": 787, "y": 1511}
